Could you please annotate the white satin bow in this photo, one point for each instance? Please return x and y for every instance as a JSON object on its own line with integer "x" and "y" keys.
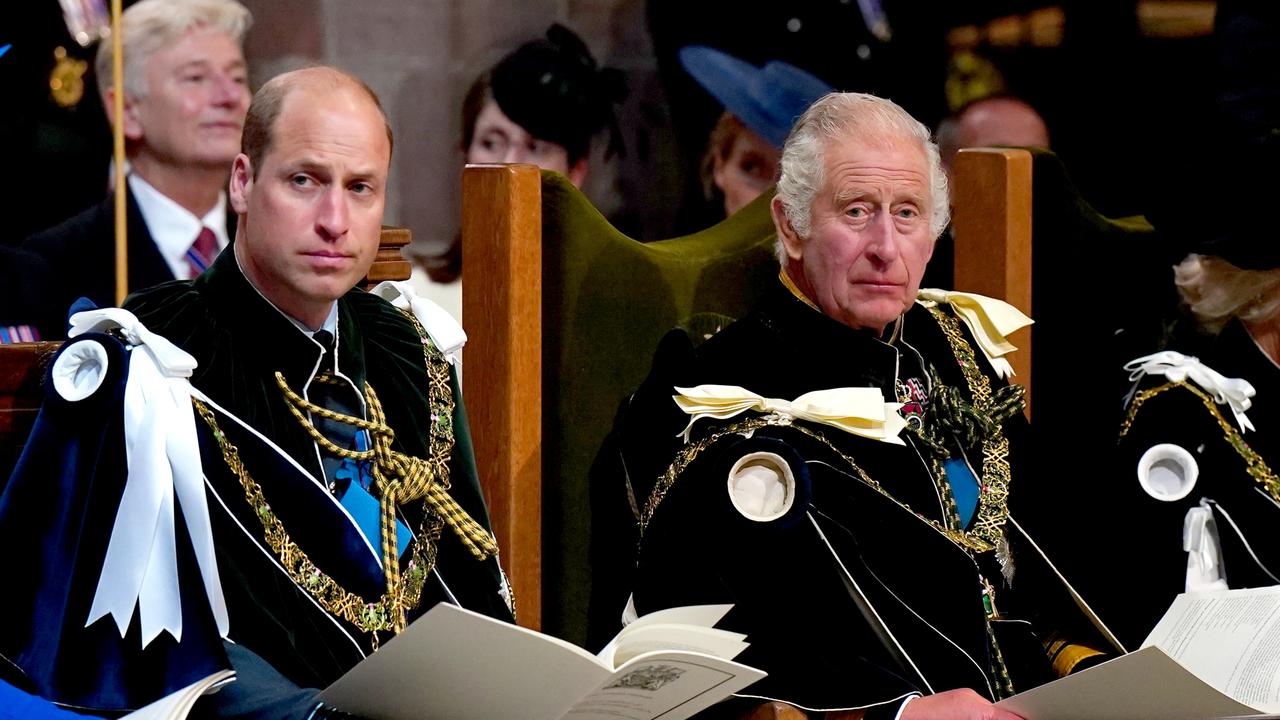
{"x": 860, "y": 411}
{"x": 989, "y": 320}
{"x": 1234, "y": 392}
{"x": 445, "y": 331}
{"x": 163, "y": 456}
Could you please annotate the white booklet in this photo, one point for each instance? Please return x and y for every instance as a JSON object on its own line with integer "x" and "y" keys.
{"x": 1212, "y": 655}
{"x": 456, "y": 664}
{"x": 176, "y": 705}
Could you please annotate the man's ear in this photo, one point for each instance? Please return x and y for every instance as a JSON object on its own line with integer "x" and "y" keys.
{"x": 241, "y": 184}
{"x": 787, "y": 235}
{"x": 578, "y": 172}
{"x": 133, "y": 130}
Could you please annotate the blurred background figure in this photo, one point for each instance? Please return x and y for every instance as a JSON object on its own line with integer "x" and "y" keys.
{"x": 545, "y": 103}
{"x": 1191, "y": 485}
{"x": 760, "y": 105}
{"x": 895, "y": 49}
{"x": 994, "y": 121}
{"x": 989, "y": 121}
{"x": 186, "y": 91}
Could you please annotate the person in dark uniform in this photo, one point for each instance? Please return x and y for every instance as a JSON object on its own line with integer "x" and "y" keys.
{"x": 186, "y": 91}
{"x": 1191, "y": 490}
{"x": 324, "y": 490}
{"x": 842, "y": 465}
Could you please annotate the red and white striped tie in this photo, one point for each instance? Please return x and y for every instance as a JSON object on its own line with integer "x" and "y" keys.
{"x": 201, "y": 253}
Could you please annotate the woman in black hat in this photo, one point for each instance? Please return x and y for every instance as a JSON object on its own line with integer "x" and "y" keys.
{"x": 544, "y": 103}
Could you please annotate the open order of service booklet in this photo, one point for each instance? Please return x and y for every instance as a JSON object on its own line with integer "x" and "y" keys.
{"x": 1212, "y": 655}
{"x": 456, "y": 664}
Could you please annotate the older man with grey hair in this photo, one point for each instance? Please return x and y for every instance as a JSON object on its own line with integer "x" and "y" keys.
{"x": 849, "y": 453}
{"x": 186, "y": 91}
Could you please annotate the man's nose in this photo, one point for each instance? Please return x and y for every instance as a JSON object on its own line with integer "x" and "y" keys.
{"x": 332, "y": 217}
{"x": 228, "y": 92}
{"x": 516, "y": 154}
{"x": 885, "y": 243}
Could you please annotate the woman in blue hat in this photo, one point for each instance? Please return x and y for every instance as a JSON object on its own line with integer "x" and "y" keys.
{"x": 761, "y": 104}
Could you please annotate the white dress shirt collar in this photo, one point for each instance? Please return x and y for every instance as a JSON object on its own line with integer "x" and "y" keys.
{"x": 173, "y": 228}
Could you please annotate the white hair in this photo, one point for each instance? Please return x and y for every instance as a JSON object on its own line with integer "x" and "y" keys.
{"x": 151, "y": 25}
{"x": 842, "y": 117}
{"x": 1216, "y": 291}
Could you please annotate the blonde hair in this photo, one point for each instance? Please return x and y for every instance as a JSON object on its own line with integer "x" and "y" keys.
{"x": 719, "y": 145}
{"x": 1215, "y": 291}
{"x": 151, "y": 25}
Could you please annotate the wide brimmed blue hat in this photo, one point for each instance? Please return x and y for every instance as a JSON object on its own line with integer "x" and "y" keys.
{"x": 767, "y": 99}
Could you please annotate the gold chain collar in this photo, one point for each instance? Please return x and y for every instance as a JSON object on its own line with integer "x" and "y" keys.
{"x": 993, "y": 509}
{"x": 1254, "y": 464}
{"x": 404, "y": 589}
{"x": 993, "y": 491}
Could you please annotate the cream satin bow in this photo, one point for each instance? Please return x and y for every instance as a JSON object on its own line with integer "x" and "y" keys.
{"x": 989, "y": 320}
{"x": 1234, "y": 392}
{"x": 445, "y": 331}
{"x": 860, "y": 411}
{"x": 163, "y": 455}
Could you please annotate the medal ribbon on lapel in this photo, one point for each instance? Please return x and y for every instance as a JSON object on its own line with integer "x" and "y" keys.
{"x": 858, "y": 411}
{"x": 990, "y": 321}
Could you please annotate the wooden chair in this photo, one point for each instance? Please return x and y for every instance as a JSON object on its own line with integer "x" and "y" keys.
{"x": 22, "y": 365}
{"x": 528, "y": 380}
{"x": 563, "y": 314}
{"x": 1087, "y": 276}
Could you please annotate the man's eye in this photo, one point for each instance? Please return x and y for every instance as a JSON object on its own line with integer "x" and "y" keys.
{"x": 908, "y": 213}
{"x": 856, "y": 212}
{"x": 362, "y": 188}
{"x": 193, "y": 78}
{"x": 300, "y": 180}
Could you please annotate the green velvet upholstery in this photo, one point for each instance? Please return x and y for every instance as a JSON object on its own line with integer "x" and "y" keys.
{"x": 1100, "y": 287}
{"x": 607, "y": 300}
{"x": 1095, "y": 284}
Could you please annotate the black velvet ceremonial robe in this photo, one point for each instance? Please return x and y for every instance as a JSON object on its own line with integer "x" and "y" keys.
{"x": 1147, "y": 558}
{"x": 856, "y": 597}
{"x": 286, "y": 617}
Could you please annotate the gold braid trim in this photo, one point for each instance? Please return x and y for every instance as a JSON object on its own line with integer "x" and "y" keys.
{"x": 1065, "y": 656}
{"x": 993, "y": 502}
{"x": 399, "y": 478}
{"x": 370, "y": 617}
{"x": 1254, "y": 464}
{"x": 691, "y": 452}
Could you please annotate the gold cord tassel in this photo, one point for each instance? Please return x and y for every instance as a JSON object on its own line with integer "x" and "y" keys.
{"x": 400, "y": 478}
